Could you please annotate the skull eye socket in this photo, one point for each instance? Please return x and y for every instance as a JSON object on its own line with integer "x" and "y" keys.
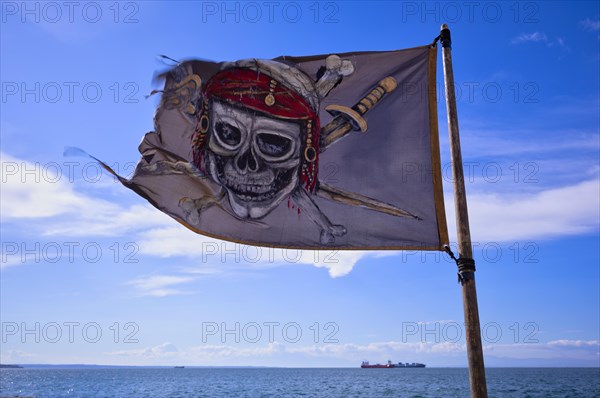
{"x": 228, "y": 134}
{"x": 274, "y": 146}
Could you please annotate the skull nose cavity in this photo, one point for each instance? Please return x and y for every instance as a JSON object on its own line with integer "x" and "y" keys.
{"x": 247, "y": 162}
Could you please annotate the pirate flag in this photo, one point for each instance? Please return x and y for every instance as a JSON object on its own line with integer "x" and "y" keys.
{"x": 326, "y": 151}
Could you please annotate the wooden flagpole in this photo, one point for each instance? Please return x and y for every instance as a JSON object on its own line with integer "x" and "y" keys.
{"x": 466, "y": 264}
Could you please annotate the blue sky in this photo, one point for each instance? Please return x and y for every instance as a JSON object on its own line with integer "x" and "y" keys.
{"x": 90, "y": 273}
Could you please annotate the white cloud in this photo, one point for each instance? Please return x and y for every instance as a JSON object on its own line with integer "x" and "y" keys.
{"x": 32, "y": 191}
{"x": 116, "y": 221}
{"x": 530, "y": 37}
{"x": 440, "y": 322}
{"x": 350, "y": 354}
{"x": 553, "y": 350}
{"x": 159, "y": 285}
{"x": 564, "y": 211}
{"x": 223, "y": 351}
{"x": 161, "y": 351}
{"x": 378, "y": 349}
{"x": 207, "y": 353}
{"x": 539, "y": 37}
{"x": 218, "y": 353}
{"x": 590, "y": 25}
{"x": 491, "y": 143}
{"x": 574, "y": 343}
{"x": 177, "y": 241}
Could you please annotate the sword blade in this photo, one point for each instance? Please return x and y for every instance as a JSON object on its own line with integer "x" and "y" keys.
{"x": 353, "y": 199}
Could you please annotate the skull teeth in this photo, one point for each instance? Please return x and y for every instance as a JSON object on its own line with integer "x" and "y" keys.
{"x": 255, "y": 198}
{"x": 249, "y": 188}
{"x": 249, "y": 192}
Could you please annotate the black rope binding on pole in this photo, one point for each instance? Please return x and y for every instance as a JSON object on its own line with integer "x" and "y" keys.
{"x": 445, "y": 37}
{"x": 466, "y": 266}
{"x": 466, "y": 269}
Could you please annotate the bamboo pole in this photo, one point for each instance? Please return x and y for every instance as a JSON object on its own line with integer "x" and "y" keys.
{"x": 466, "y": 265}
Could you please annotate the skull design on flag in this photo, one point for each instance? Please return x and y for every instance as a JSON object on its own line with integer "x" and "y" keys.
{"x": 258, "y": 134}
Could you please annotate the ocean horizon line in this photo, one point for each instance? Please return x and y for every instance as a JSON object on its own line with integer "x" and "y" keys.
{"x": 83, "y": 365}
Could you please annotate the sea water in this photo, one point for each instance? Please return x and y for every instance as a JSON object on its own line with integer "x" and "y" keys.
{"x": 290, "y": 382}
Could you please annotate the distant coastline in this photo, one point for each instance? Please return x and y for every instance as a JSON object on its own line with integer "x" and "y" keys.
{"x": 86, "y": 366}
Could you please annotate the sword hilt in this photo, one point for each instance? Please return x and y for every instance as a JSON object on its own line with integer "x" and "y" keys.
{"x": 385, "y": 86}
{"x": 348, "y": 119}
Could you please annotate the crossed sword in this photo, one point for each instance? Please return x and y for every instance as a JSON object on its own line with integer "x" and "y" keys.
{"x": 346, "y": 120}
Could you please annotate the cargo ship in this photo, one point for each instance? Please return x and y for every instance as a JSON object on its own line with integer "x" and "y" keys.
{"x": 390, "y": 365}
